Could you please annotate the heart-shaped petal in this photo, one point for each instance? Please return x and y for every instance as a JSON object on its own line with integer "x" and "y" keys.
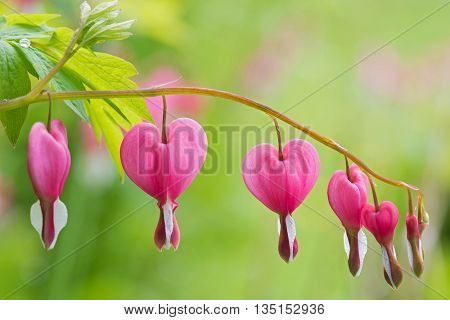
{"x": 281, "y": 185}
{"x": 48, "y": 159}
{"x": 347, "y": 197}
{"x": 164, "y": 170}
{"x": 381, "y": 223}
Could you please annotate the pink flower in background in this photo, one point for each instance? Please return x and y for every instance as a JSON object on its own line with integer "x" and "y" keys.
{"x": 273, "y": 57}
{"x": 98, "y": 169}
{"x": 282, "y": 184}
{"x": 27, "y": 5}
{"x": 177, "y": 105}
{"x": 387, "y": 74}
{"x": 6, "y": 195}
{"x": 347, "y": 196}
{"x": 384, "y": 73}
{"x": 164, "y": 170}
{"x": 48, "y": 166}
{"x": 382, "y": 225}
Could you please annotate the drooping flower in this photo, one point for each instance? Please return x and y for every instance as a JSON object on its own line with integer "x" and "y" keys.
{"x": 48, "y": 166}
{"x": 414, "y": 244}
{"x": 164, "y": 169}
{"x": 282, "y": 184}
{"x": 381, "y": 223}
{"x": 347, "y": 195}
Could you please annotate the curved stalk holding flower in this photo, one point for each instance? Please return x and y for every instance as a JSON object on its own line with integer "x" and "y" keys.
{"x": 152, "y": 92}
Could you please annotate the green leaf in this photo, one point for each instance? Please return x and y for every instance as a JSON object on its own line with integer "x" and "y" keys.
{"x": 14, "y": 82}
{"x": 62, "y": 81}
{"x": 103, "y": 8}
{"x": 30, "y": 19}
{"x": 103, "y": 124}
{"x": 110, "y": 31}
{"x": 17, "y": 32}
{"x": 101, "y": 71}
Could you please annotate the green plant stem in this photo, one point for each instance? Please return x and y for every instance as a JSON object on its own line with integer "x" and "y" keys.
{"x": 68, "y": 53}
{"x": 164, "y": 120}
{"x": 49, "y": 118}
{"x": 374, "y": 194}
{"x": 151, "y": 92}
{"x": 347, "y": 169}
{"x": 280, "y": 147}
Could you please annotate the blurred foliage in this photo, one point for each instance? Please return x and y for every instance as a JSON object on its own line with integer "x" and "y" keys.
{"x": 276, "y": 52}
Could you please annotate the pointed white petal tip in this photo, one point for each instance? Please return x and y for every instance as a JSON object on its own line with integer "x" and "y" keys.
{"x": 168, "y": 223}
{"x": 387, "y": 264}
{"x": 291, "y": 232}
{"x": 59, "y": 219}
{"x": 410, "y": 254}
{"x": 362, "y": 244}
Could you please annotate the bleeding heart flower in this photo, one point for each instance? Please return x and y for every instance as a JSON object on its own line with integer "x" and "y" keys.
{"x": 382, "y": 225}
{"x": 414, "y": 244}
{"x": 48, "y": 166}
{"x": 282, "y": 184}
{"x": 164, "y": 170}
{"x": 347, "y": 195}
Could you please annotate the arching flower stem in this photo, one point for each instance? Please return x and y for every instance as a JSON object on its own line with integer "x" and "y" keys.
{"x": 151, "y": 92}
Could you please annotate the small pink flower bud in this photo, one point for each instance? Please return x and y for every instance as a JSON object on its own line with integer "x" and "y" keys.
{"x": 164, "y": 170}
{"x": 414, "y": 244}
{"x": 382, "y": 225}
{"x": 48, "y": 166}
{"x": 282, "y": 184}
{"x": 347, "y": 198}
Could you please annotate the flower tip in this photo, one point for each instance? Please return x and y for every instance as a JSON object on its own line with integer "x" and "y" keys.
{"x": 287, "y": 243}
{"x": 396, "y": 281}
{"x": 392, "y": 270}
{"x": 48, "y": 222}
{"x": 355, "y": 245}
{"x": 167, "y": 233}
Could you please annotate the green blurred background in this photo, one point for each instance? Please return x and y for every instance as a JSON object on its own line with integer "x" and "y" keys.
{"x": 392, "y": 110}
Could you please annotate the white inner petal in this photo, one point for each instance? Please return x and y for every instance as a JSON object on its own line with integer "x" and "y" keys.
{"x": 168, "y": 222}
{"x": 410, "y": 254}
{"x": 36, "y": 218}
{"x": 362, "y": 248}
{"x": 386, "y": 263}
{"x": 346, "y": 244}
{"x": 59, "y": 219}
{"x": 362, "y": 244}
{"x": 291, "y": 232}
{"x": 279, "y": 226}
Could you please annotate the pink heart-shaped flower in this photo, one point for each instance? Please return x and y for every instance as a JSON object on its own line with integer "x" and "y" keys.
{"x": 382, "y": 225}
{"x": 347, "y": 195}
{"x": 48, "y": 167}
{"x": 282, "y": 185}
{"x": 164, "y": 170}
